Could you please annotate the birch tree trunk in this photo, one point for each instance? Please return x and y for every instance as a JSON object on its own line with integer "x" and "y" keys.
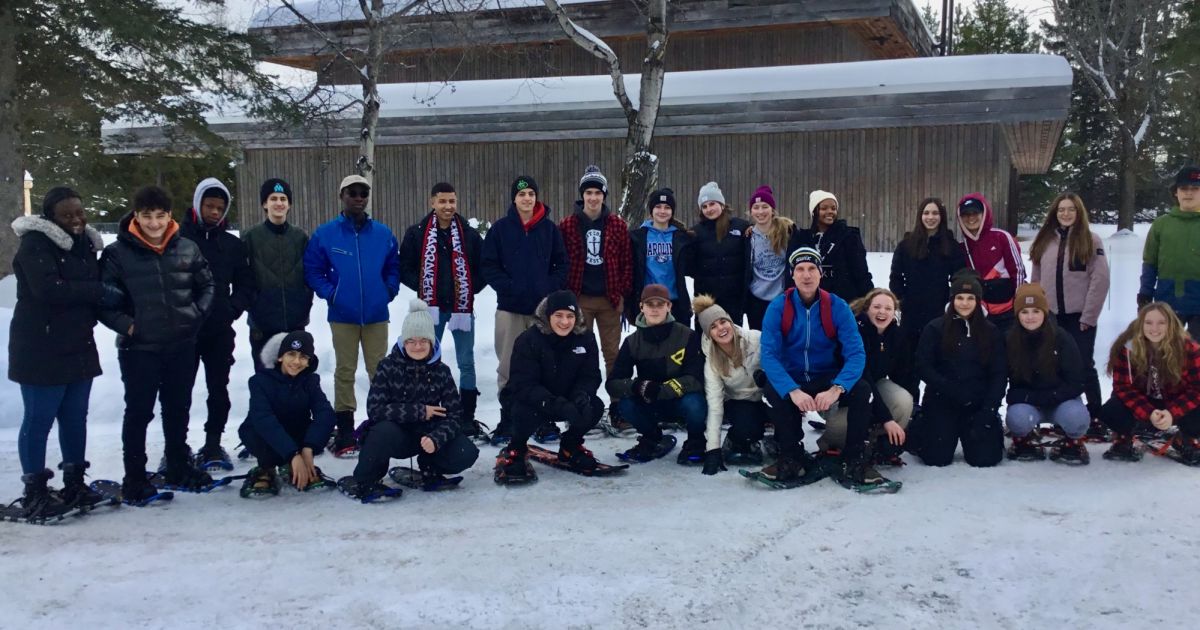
{"x": 12, "y": 171}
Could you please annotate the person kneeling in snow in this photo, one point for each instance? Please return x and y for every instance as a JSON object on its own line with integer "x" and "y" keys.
{"x": 290, "y": 419}
{"x": 414, "y": 408}
{"x": 554, "y": 377}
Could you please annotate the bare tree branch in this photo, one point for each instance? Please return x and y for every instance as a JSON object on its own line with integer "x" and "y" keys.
{"x": 588, "y": 41}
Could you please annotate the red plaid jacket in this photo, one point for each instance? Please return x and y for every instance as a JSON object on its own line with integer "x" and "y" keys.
{"x": 618, "y": 259}
{"x": 1179, "y": 400}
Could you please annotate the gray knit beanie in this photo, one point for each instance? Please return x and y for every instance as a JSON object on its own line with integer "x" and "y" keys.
{"x": 708, "y": 312}
{"x": 710, "y": 192}
{"x": 418, "y": 324}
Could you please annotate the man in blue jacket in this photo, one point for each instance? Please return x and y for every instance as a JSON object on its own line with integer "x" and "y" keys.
{"x": 353, "y": 263}
{"x": 813, "y": 359}
{"x": 524, "y": 260}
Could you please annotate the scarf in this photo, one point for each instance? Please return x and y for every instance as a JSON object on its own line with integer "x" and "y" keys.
{"x": 464, "y": 295}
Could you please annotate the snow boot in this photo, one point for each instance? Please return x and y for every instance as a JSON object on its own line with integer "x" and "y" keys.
{"x": 1026, "y": 448}
{"x": 39, "y": 502}
{"x": 741, "y": 453}
{"x": 576, "y": 456}
{"x": 860, "y": 471}
{"x": 512, "y": 467}
{"x": 261, "y": 482}
{"x": 1097, "y": 432}
{"x": 367, "y": 492}
{"x": 618, "y": 426}
{"x": 162, "y": 461}
{"x": 186, "y": 476}
{"x": 75, "y": 492}
{"x": 471, "y": 427}
{"x": 692, "y": 451}
{"x": 548, "y": 432}
{"x": 1071, "y": 451}
{"x": 645, "y": 450}
{"x": 1187, "y": 449}
{"x": 785, "y": 468}
{"x": 1123, "y": 450}
{"x": 212, "y": 458}
{"x": 503, "y": 432}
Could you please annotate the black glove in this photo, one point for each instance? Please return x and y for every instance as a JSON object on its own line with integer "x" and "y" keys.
{"x": 999, "y": 290}
{"x": 112, "y": 297}
{"x": 582, "y": 402}
{"x": 647, "y": 390}
{"x": 1143, "y": 299}
{"x": 714, "y": 462}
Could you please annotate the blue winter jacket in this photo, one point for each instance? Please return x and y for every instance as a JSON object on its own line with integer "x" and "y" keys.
{"x": 660, "y": 257}
{"x": 807, "y": 354}
{"x": 358, "y": 273}
{"x": 289, "y": 413}
{"x": 524, "y": 267}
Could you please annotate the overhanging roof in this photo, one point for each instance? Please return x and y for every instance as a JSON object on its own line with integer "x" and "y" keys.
{"x": 1027, "y": 94}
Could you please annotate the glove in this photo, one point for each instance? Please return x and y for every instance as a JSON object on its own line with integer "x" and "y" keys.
{"x": 713, "y": 462}
{"x": 112, "y": 297}
{"x": 999, "y": 290}
{"x": 647, "y": 390}
{"x": 1143, "y": 299}
{"x": 582, "y": 402}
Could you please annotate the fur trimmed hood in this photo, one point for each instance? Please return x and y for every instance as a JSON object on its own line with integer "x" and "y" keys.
{"x": 57, "y": 235}
{"x": 269, "y": 357}
{"x": 542, "y": 321}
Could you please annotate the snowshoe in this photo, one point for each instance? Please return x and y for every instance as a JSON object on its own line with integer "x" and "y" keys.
{"x": 243, "y": 453}
{"x": 861, "y": 477}
{"x": 139, "y": 491}
{"x": 574, "y": 460}
{"x": 692, "y": 451}
{"x": 513, "y": 468}
{"x": 261, "y": 483}
{"x": 1097, "y": 432}
{"x": 1026, "y": 449}
{"x": 1185, "y": 450}
{"x": 1123, "y": 450}
{"x": 648, "y": 448}
{"x": 322, "y": 481}
{"x": 1070, "y": 451}
{"x": 548, "y": 432}
{"x": 367, "y": 492}
{"x": 75, "y": 492}
{"x": 425, "y": 481}
{"x": 742, "y": 454}
{"x": 38, "y": 506}
{"x": 113, "y": 492}
{"x": 192, "y": 482}
{"x": 788, "y": 472}
{"x": 213, "y": 459}
{"x": 501, "y": 435}
{"x": 162, "y": 461}
{"x": 345, "y": 445}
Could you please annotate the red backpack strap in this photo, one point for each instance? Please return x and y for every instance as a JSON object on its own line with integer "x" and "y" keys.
{"x": 789, "y": 312}
{"x": 827, "y": 314}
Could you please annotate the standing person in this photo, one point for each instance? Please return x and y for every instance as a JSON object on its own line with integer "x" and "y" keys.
{"x": 769, "y": 239}
{"x": 659, "y": 256}
{"x": 922, "y": 267}
{"x": 994, "y": 255}
{"x": 732, "y": 357}
{"x": 170, "y": 293}
{"x": 555, "y": 376}
{"x": 845, "y": 273}
{"x": 275, "y": 247}
{"x": 889, "y": 373}
{"x": 659, "y": 375}
{"x": 1170, "y": 266}
{"x": 353, "y": 263}
{"x": 524, "y": 260}
{"x": 413, "y": 409}
{"x": 961, "y": 359}
{"x": 813, "y": 359}
{"x": 441, "y": 259}
{"x": 1045, "y": 380}
{"x": 1069, "y": 261}
{"x": 290, "y": 418}
{"x": 1155, "y": 367}
{"x": 599, "y": 262}
{"x": 51, "y": 350}
{"x": 718, "y": 265}
{"x": 233, "y": 283}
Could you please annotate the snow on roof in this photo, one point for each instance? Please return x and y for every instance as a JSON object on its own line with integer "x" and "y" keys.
{"x": 330, "y": 11}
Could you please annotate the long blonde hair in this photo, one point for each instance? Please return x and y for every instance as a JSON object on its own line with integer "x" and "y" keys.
{"x": 1171, "y": 352}
{"x": 724, "y": 362}
{"x": 778, "y": 231}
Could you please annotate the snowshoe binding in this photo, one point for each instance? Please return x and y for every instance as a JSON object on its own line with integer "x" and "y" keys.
{"x": 39, "y": 505}
{"x": 344, "y": 445}
{"x": 788, "y": 472}
{"x": 742, "y": 453}
{"x": 578, "y": 460}
{"x": 76, "y": 492}
{"x": 547, "y": 433}
{"x": 1026, "y": 449}
{"x": 648, "y": 448}
{"x": 213, "y": 459}
{"x": 692, "y": 451}
{"x": 1123, "y": 450}
{"x": 367, "y": 492}
{"x": 425, "y": 481}
{"x": 1070, "y": 451}
{"x": 261, "y": 483}
{"x": 513, "y": 468}
{"x": 861, "y": 477}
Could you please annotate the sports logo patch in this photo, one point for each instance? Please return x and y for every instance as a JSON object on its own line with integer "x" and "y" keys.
{"x": 278, "y": 188}
{"x": 296, "y": 345}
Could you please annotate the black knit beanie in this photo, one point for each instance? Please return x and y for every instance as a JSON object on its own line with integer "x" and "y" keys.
{"x": 521, "y": 183}
{"x": 271, "y": 186}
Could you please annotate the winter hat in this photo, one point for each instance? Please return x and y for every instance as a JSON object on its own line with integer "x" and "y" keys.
{"x": 971, "y": 205}
{"x": 804, "y": 255}
{"x": 710, "y": 192}
{"x": 521, "y": 183}
{"x": 299, "y": 341}
{"x": 966, "y": 281}
{"x": 1031, "y": 295}
{"x": 816, "y": 197}
{"x": 214, "y": 192}
{"x": 708, "y": 312}
{"x": 271, "y": 186}
{"x": 561, "y": 300}
{"x": 592, "y": 178}
{"x": 662, "y": 195}
{"x": 54, "y": 196}
{"x": 418, "y": 324}
{"x": 1187, "y": 176}
{"x": 765, "y": 194}
{"x": 655, "y": 292}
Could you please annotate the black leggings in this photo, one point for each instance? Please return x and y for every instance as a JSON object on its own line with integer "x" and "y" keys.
{"x": 1116, "y": 416}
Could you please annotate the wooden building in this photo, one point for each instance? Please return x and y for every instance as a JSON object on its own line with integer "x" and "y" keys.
{"x": 841, "y": 96}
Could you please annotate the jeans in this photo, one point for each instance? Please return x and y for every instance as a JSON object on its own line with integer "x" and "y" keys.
{"x": 1071, "y": 415}
{"x": 645, "y": 416}
{"x": 464, "y": 349}
{"x": 43, "y": 404}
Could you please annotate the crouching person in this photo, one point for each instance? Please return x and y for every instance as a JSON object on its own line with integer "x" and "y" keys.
{"x": 290, "y": 419}
{"x": 554, "y": 377}
{"x": 414, "y": 408}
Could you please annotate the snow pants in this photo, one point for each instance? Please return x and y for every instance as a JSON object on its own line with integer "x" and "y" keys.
{"x": 935, "y": 435}
{"x": 789, "y": 420}
{"x": 214, "y": 349}
{"x": 387, "y": 440}
{"x": 1071, "y": 416}
{"x": 165, "y": 377}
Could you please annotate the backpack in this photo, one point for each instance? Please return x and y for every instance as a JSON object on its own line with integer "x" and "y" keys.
{"x": 826, "y": 309}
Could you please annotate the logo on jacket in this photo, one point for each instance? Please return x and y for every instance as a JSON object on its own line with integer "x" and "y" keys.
{"x": 677, "y": 358}
{"x": 735, "y": 232}
{"x": 579, "y": 350}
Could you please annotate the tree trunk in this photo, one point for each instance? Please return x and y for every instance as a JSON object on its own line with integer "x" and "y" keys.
{"x": 369, "y": 78}
{"x": 12, "y": 172}
{"x": 1128, "y": 188}
{"x": 639, "y": 176}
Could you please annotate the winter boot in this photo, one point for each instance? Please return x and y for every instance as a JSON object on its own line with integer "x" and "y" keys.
{"x": 645, "y": 450}
{"x": 692, "y": 451}
{"x": 618, "y": 426}
{"x": 345, "y": 444}
{"x": 211, "y": 457}
{"x": 503, "y": 432}
{"x": 162, "y": 462}
{"x": 1187, "y": 449}
{"x": 1122, "y": 449}
{"x": 1026, "y": 448}
{"x": 1097, "y": 432}
{"x": 512, "y": 466}
{"x": 187, "y": 477}
{"x": 261, "y": 482}
{"x": 39, "y": 502}
{"x": 741, "y": 453}
{"x": 470, "y": 426}
{"x": 785, "y": 468}
{"x": 75, "y": 492}
{"x": 367, "y": 492}
{"x": 575, "y": 455}
{"x": 860, "y": 471}
{"x": 548, "y": 432}
{"x": 1071, "y": 451}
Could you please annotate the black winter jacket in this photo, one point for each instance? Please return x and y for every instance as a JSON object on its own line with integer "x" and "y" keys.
{"x": 288, "y": 412}
{"x": 1050, "y": 390}
{"x": 958, "y": 377}
{"x": 923, "y": 286}
{"x": 681, "y": 244}
{"x": 668, "y": 352}
{"x": 843, "y": 259}
{"x": 888, "y": 356}
{"x": 169, "y": 294}
{"x": 546, "y": 367}
{"x": 233, "y": 281}
{"x": 402, "y": 387}
{"x": 282, "y": 299}
{"x": 412, "y": 260}
{"x": 720, "y": 268}
{"x": 524, "y": 267}
{"x": 50, "y": 339}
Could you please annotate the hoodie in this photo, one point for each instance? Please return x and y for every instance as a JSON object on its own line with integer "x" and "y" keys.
{"x": 1171, "y": 262}
{"x": 228, "y": 260}
{"x": 995, "y": 256}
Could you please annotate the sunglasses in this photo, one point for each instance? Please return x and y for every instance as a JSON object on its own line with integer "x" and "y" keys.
{"x": 357, "y": 193}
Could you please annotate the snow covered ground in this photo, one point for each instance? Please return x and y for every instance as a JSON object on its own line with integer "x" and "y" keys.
{"x": 1018, "y": 546}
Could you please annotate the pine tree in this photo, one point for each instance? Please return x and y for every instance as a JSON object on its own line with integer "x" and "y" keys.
{"x": 994, "y": 27}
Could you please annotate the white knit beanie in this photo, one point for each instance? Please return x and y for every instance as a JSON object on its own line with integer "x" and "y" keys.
{"x": 710, "y": 192}
{"x": 418, "y": 324}
{"x": 816, "y": 197}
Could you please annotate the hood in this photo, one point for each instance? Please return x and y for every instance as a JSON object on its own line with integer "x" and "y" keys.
{"x": 988, "y": 220}
{"x": 542, "y": 321}
{"x": 1180, "y": 214}
{"x": 434, "y": 357}
{"x": 648, "y": 224}
{"x": 194, "y": 214}
{"x": 25, "y": 225}
{"x": 269, "y": 356}
{"x": 603, "y": 209}
{"x": 540, "y": 211}
{"x": 640, "y": 321}
{"x": 125, "y": 234}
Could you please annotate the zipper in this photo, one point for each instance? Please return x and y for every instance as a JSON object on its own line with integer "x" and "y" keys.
{"x": 807, "y": 339}
{"x": 362, "y": 317}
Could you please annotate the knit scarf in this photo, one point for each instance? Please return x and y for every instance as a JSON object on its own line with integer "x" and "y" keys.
{"x": 464, "y": 295}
